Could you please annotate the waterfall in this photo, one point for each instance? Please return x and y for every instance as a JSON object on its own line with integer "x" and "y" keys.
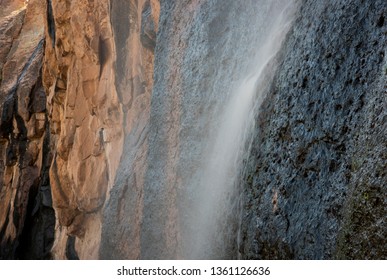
{"x": 209, "y": 82}
{"x": 214, "y": 211}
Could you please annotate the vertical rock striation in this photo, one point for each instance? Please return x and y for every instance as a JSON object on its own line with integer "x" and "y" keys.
{"x": 26, "y": 217}
{"x": 98, "y": 75}
{"x": 86, "y": 120}
{"x": 135, "y": 24}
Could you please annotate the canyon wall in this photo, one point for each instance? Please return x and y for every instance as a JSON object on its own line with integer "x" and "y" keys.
{"x": 104, "y": 118}
{"x": 86, "y": 120}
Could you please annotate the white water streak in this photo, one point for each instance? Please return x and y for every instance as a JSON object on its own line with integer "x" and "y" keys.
{"x": 220, "y": 168}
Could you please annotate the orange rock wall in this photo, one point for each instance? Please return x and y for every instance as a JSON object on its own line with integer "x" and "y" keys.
{"x": 73, "y": 87}
{"x": 91, "y": 109}
{"x": 23, "y": 126}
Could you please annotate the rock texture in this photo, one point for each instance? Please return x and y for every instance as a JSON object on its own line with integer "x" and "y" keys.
{"x": 135, "y": 24}
{"x": 104, "y": 117}
{"x": 62, "y": 132}
{"x": 315, "y": 185}
{"x": 26, "y": 217}
{"x": 98, "y": 69}
{"x": 86, "y": 119}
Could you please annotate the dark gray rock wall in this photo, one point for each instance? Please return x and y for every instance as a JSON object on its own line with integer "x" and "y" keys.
{"x": 315, "y": 180}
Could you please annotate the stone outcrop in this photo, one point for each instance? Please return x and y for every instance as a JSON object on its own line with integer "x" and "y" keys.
{"x": 315, "y": 185}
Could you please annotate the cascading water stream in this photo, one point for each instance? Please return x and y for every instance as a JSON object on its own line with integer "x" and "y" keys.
{"x": 214, "y": 212}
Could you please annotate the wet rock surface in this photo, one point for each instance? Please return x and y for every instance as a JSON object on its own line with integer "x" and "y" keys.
{"x": 202, "y": 49}
{"x": 315, "y": 181}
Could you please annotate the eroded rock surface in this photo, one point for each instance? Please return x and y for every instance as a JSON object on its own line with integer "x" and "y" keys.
{"x": 26, "y": 217}
{"x": 86, "y": 120}
{"x": 71, "y": 117}
{"x": 202, "y": 49}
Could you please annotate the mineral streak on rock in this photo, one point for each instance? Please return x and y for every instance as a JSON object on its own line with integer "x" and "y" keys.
{"x": 134, "y": 24}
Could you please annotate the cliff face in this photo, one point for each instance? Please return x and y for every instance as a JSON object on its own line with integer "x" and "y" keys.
{"x": 135, "y": 25}
{"x": 85, "y": 118}
{"x": 64, "y": 136}
{"x": 26, "y": 217}
{"x": 105, "y": 110}
{"x": 315, "y": 184}
{"x": 98, "y": 75}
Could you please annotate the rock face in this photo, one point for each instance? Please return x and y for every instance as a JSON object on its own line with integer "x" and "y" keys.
{"x": 135, "y": 24}
{"x": 62, "y": 131}
{"x": 26, "y": 217}
{"x": 98, "y": 76}
{"x": 86, "y": 119}
{"x": 104, "y": 109}
{"x": 315, "y": 185}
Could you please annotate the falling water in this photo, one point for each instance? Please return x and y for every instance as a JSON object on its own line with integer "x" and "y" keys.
{"x": 213, "y": 216}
